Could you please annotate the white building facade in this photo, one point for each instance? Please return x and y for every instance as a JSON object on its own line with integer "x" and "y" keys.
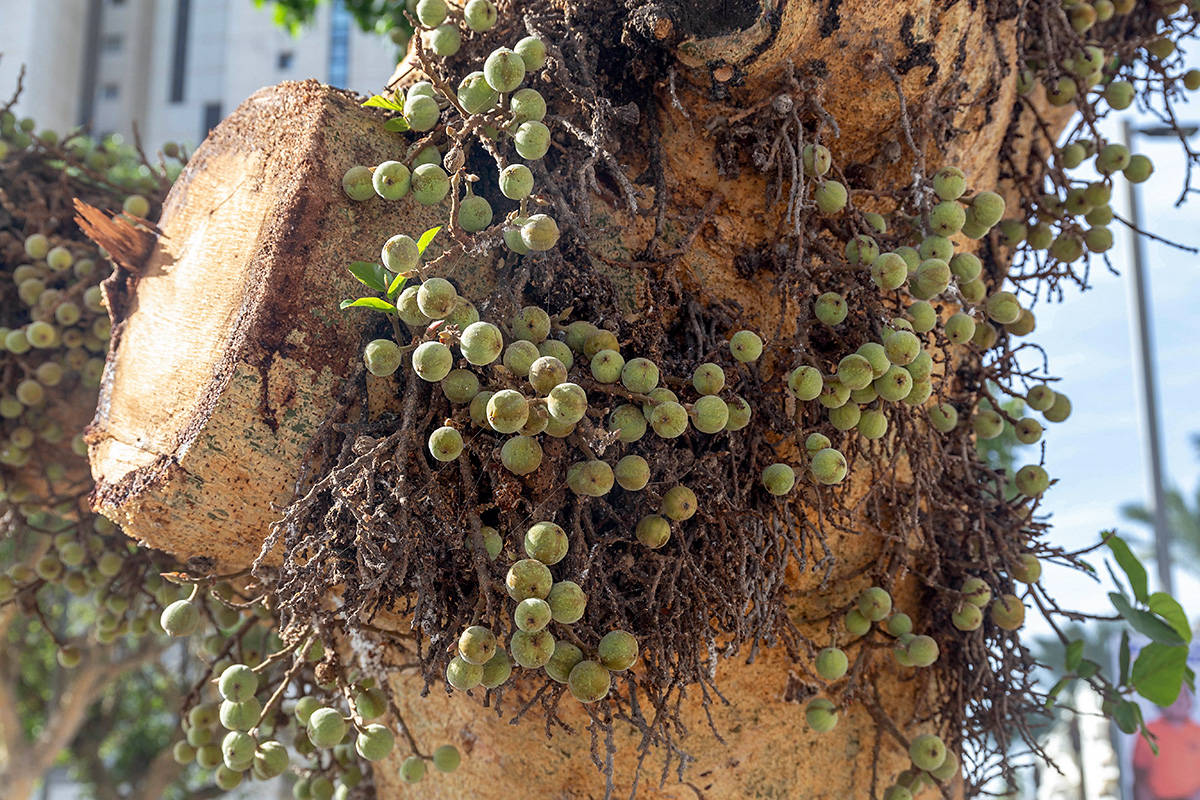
{"x": 173, "y": 68}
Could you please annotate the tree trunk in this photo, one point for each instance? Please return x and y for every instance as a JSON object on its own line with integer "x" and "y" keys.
{"x": 229, "y": 351}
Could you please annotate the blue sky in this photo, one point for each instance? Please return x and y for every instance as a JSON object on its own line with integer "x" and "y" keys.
{"x": 1099, "y": 455}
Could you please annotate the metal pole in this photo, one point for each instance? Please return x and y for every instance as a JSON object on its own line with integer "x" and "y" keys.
{"x": 1162, "y": 532}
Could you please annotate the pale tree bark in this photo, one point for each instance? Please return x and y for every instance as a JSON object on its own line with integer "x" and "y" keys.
{"x": 229, "y": 351}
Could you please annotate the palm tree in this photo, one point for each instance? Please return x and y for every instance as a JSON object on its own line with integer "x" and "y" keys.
{"x": 1183, "y": 520}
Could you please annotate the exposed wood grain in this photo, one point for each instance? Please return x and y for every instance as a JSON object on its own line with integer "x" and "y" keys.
{"x": 229, "y": 349}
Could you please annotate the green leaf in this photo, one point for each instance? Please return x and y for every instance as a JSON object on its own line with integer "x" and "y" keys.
{"x": 1074, "y": 654}
{"x": 1087, "y": 668}
{"x": 426, "y": 238}
{"x": 1144, "y": 622}
{"x": 1055, "y": 691}
{"x": 1129, "y": 564}
{"x": 1169, "y": 609}
{"x": 1125, "y": 717}
{"x": 368, "y": 302}
{"x": 379, "y": 101}
{"x": 396, "y": 125}
{"x": 1124, "y": 658}
{"x": 370, "y": 275}
{"x": 1158, "y": 672}
{"x": 397, "y": 286}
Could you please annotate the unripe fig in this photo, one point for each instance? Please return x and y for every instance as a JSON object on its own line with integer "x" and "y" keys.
{"x": 546, "y": 542}
{"x": 875, "y": 603}
{"x": 746, "y": 346}
{"x": 1031, "y": 480}
{"x": 629, "y": 422}
{"x": 669, "y": 420}
{"x": 829, "y": 466}
{"x": 640, "y": 375}
{"x": 567, "y": 602}
{"x": 1003, "y": 307}
{"x": 531, "y": 650}
{"x": 1040, "y": 397}
{"x": 462, "y": 674}
{"x": 325, "y": 728}
{"x": 653, "y": 531}
{"x": 927, "y": 752}
{"x": 739, "y": 414}
{"x": 821, "y": 715}
{"x": 504, "y": 70}
{"x": 950, "y": 183}
{"x": 532, "y": 51}
{"x": 632, "y": 472}
{"x": 1028, "y": 569}
{"x": 477, "y": 645}
{"x": 590, "y": 478}
{"x": 606, "y": 366}
{"x": 899, "y": 624}
{"x": 412, "y": 770}
{"x": 374, "y": 742}
{"x": 356, "y": 183}
{"x": 432, "y": 361}
{"x": 960, "y": 328}
{"x": 1059, "y": 410}
{"x": 566, "y": 657}
{"x": 923, "y": 316}
{"x": 445, "y": 443}
{"x": 779, "y": 479}
{"x": 507, "y": 411}
{"x": 238, "y": 683}
{"x": 546, "y": 372}
{"x": 831, "y": 197}
{"x": 679, "y": 503}
{"x": 922, "y": 651}
{"x": 976, "y": 592}
{"x": 856, "y": 624}
{"x": 446, "y": 758}
{"x": 944, "y": 417}
{"x": 889, "y": 271}
{"x": 805, "y": 383}
{"x": 497, "y": 670}
{"x": 832, "y": 663}
{"x": 710, "y": 414}
{"x": 528, "y": 578}
{"x": 988, "y": 424}
{"x": 429, "y": 184}
{"x": 1008, "y": 612}
{"x": 532, "y": 614}
{"x": 708, "y": 379}
{"x": 816, "y": 160}
{"x": 460, "y": 386}
{"x": 180, "y": 618}
{"x": 967, "y": 617}
{"x": 831, "y": 308}
{"x": 589, "y": 682}
{"x": 617, "y": 651}
{"x": 531, "y": 324}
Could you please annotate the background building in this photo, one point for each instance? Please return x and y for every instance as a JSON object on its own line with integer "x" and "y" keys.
{"x": 173, "y": 68}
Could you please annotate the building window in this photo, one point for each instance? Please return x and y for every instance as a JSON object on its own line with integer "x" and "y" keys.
{"x": 112, "y": 43}
{"x": 212, "y": 117}
{"x": 339, "y": 45}
{"x": 110, "y": 91}
{"x": 179, "y": 57}
{"x": 286, "y": 59}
